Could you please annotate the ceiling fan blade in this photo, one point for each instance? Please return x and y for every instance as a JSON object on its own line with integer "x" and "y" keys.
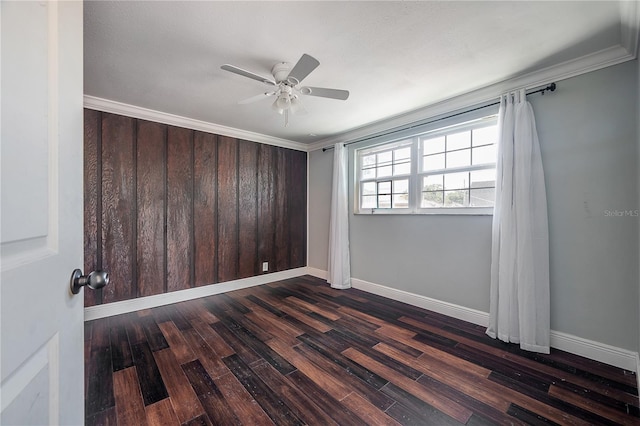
{"x": 256, "y": 98}
{"x": 248, "y": 74}
{"x": 303, "y": 68}
{"x": 323, "y": 92}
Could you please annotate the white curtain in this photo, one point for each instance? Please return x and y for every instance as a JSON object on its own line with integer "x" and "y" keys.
{"x": 339, "y": 269}
{"x": 519, "y": 307}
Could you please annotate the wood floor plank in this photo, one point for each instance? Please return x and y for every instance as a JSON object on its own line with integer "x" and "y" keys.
{"x": 183, "y": 398}
{"x": 202, "y": 420}
{"x": 207, "y": 356}
{"x": 161, "y": 414}
{"x": 303, "y": 407}
{"x": 154, "y": 335}
{"x": 129, "y": 403}
{"x": 211, "y": 398}
{"x": 381, "y": 401}
{"x": 151, "y": 383}
{"x": 177, "y": 343}
{"x": 245, "y": 352}
{"x": 323, "y": 379}
{"x": 100, "y": 385}
{"x": 445, "y": 405}
{"x": 120, "y": 348}
{"x": 212, "y": 338}
{"x": 366, "y": 411}
{"x": 465, "y": 381}
{"x": 602, "y": 410}
{"x": 301, "y": 316}
{"x": 563, "y": 375}
{"x": 270, "y": 402}
{"x": 298, "y": 352}
{"x": 243, "y": 404}
{"x": 103, "y": 418}
{"x": 325, "y": 399}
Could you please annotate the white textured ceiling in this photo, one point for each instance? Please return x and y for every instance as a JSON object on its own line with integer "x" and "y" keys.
{"x": 394, "y": 57}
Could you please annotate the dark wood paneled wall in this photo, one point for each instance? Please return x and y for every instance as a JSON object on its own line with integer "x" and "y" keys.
{"x": 168, "y": 208}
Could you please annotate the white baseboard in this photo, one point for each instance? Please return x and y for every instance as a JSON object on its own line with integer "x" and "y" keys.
{"x": 318, "y": 273}
{"x": 117, "y": 308}
{"x": 450, "y": 309}
{"x": 612, "y": 355}
{"x": 618, "y": 357}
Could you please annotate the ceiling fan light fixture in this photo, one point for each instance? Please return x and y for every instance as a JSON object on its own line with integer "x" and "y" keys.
{"x": 276, "y": 108}
{"x": 295, "y": 104}
{"x": 283, "y": 101}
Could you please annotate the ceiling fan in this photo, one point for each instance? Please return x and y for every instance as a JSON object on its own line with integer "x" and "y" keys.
{"x": 287, "y": 90}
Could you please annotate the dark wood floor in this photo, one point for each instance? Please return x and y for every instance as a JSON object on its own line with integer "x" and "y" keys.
{"x": 298, "y": 352}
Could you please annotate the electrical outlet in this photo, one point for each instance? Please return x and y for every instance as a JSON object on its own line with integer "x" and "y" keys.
{"x": 265, "y": 266}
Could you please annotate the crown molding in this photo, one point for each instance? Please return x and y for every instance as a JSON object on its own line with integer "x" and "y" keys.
{"x": 582, "y": 65}
{"x": 114, "y": 107}
{"x": 630, "y": 25}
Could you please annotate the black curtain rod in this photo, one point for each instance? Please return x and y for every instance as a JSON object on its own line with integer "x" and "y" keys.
{"x": 551, "y": 88}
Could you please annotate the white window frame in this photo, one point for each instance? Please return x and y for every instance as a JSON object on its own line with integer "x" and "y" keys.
{"x": 416, "y": 175}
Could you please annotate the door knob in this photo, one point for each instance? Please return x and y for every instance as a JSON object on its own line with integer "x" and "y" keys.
{"x": 95, "y": 280}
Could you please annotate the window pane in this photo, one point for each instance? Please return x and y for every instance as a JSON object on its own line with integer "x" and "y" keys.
{"x": 485, "y": 135}
{"x": 384, "y": 201}
{"x": 459, "y": 140}
{"x": 369, "y": 202}
{"x": 432, "y": 183}
{"x": 433, "y": 162}
{"x": 400, "y": 201}
{"x": 384, "y": 171}
{"x": 456, "y": 180}
{"x": 459, "y": 158}
{"x": 483, "y": 178}
{"x": 368, "y": 161}
{"x": 401, "y": 169}
{"x": 456, "y": 198}
{"x": 484, "y": 155}
{"x": 384, "y": 187}
{"x": 401, "y": 186}
{"x": 369, "y": 188}
{"x": 432, "y": 199}
{"x": 433, "y": 146}
{"x": 402, "y": 154}
{"x": 369, "y": 174}
{"x": 385, "y": 158}
{"x": 483, "y": 197}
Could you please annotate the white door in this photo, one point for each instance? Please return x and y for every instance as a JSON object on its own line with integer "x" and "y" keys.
{"x": 41, "y": 363}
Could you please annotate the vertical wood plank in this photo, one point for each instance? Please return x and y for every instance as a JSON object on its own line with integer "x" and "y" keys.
{"x": 266, "y": 220}
{"x": 248, "y": 209}
{"x": 227, "y": 209}
{"x": 204, "y": 208}
{"x": 129, "y": 404}
{"x": 281, "y": 209}
{"x": 179, "y": 208}
{"x": 92, "y": 197}
{"x": 151, "y": 160}
{"x": 297, "y": 190}
{"x": 118, "y": 186}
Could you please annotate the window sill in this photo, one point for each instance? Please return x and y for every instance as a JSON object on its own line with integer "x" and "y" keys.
{"x": 465, "y": 211}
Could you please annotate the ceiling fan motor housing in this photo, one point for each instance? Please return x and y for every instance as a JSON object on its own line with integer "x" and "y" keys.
{"x": 280, "y": 71}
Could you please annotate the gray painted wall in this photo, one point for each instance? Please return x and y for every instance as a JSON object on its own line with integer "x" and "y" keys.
{"x": 589, "y": 140}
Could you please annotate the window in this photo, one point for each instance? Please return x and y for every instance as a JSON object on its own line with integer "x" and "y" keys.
{"x": 447, "y": 170}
